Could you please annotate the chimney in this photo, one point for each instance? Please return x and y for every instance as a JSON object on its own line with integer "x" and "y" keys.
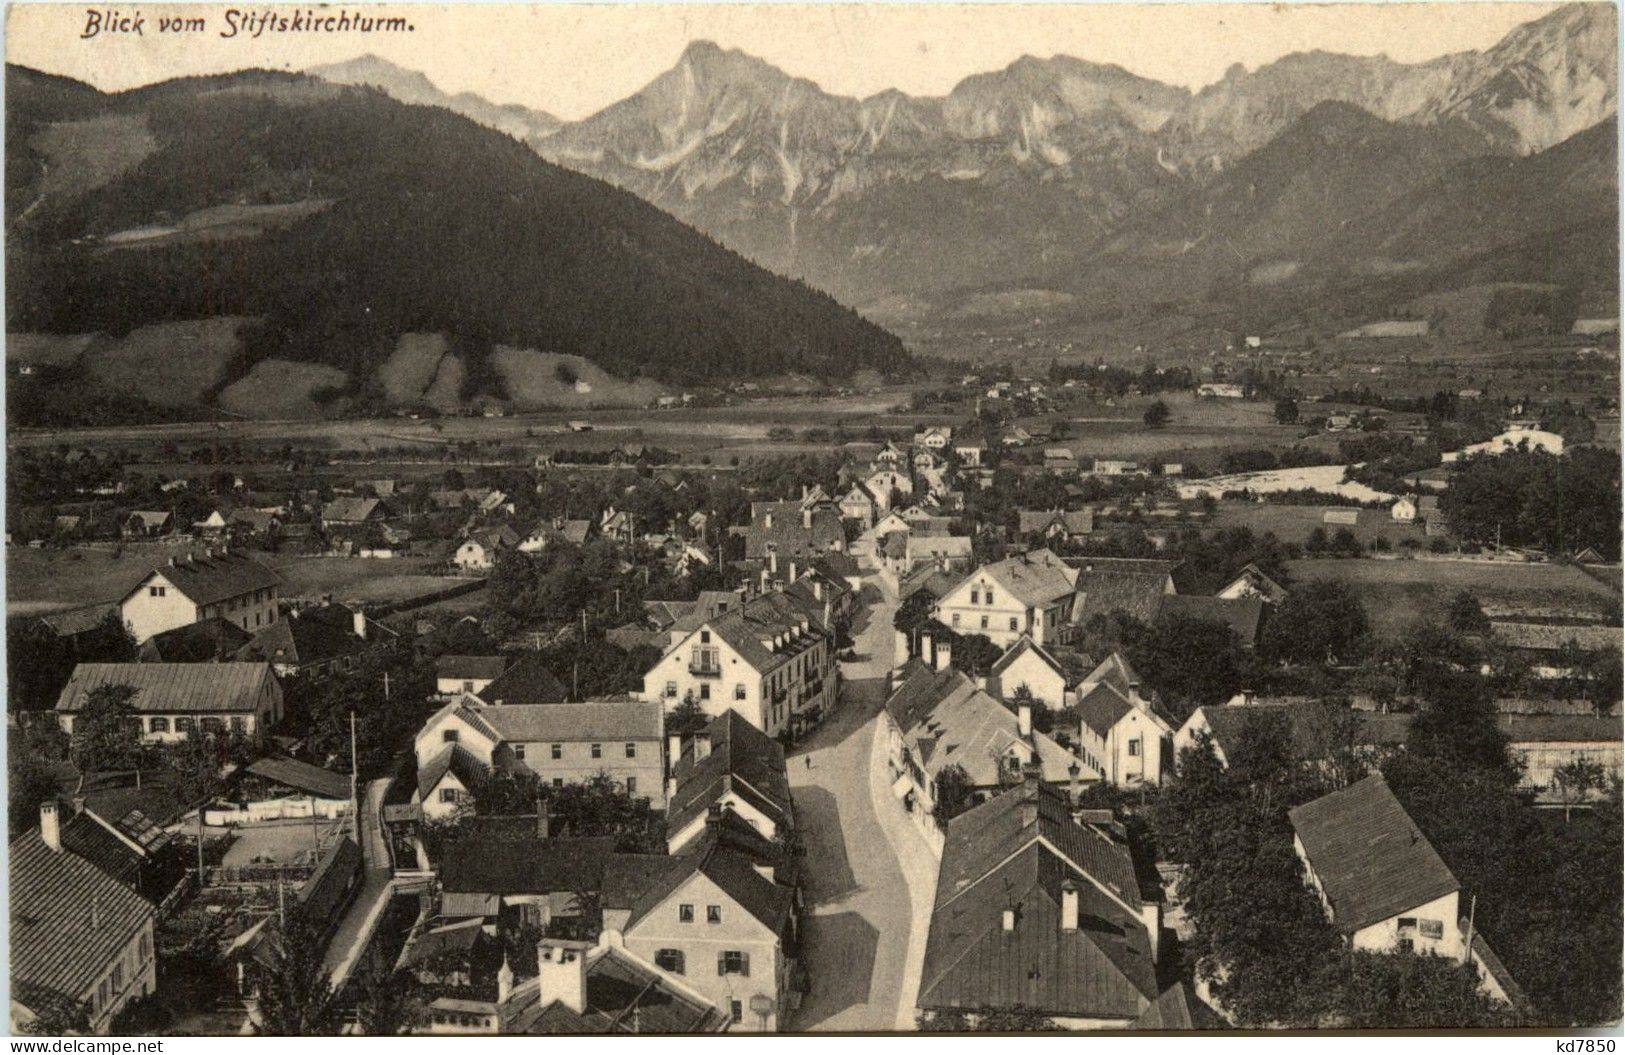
{"x": 359, "y": 621}
{"x": 806, "y": 519}
{"x": 818, "y": 588}
{"x": 1069, "y": 905}
{"x": 562, "y": 973}
{"x": 945, "y": 655}
{"x": 927, "y": 653}
{"x": 773, "y": 560}
{"x": 1024, "y": 720}
{"x": 1029, "y": 805}
{"x": 1074, "y": 771}
{"x": 1009, "y": 920}
{"x": 767, "y": 520}
{"x": 792, "y": 576}
{"x": 702, "y": 745}
{"x": 50, "y": 828}
{"x": 504, "y": 980}
{"x": 1151, "y": 916}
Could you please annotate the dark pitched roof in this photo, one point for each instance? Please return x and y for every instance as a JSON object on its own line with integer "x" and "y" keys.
{"x": 591, "y": 720}
{"x": 315, "y": 635}
{"x": 922, "y": 689}
{"x": 769, "y": 903}
{"x": 1137, "y": 593}
{"x": 69, "y": 919}
{"x": 525, "y": 866}
{"x": 998, "y": 827}
{"x": 1560, "y": 728}
{"x": 209, "y": 640}
{"x": 481, "y": 667}
{"x": 1023, "y": 645}
{"x": 209, "y": 579}
{"x": 165, "y": 688}
{"x": 74, "y": 621}
{"x": 743, "y": 759}
{"x": 351, "y": 509}
{"x": 1179, "y": 1008}
{"x": 324, "y": 893}
{"x": 1371, "y": 860}
{"x": 628, "y": 878}
{"x": 623, "y": 996}
{"x": 1242, "y": 615}
{"x": 766, "y": 618}
{"x": 527, "y": 681}
{"x": 302, "y": 776}
{"x": 1103, "y": 969}
{"x": 457, "y": 760}
{"x": 1102, "y": 707}
{"x": 1034, "y": 579}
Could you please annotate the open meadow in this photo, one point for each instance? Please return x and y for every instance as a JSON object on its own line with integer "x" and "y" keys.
{"x": 1398, "y": 592}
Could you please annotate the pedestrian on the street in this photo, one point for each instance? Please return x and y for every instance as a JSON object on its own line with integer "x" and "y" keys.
{"x": 808, "y": 757}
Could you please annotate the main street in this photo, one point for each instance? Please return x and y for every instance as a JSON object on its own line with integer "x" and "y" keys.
{"x": 869, "y": 878}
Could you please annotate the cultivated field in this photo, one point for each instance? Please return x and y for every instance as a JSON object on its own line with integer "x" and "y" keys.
{"x": 39, "y": 581}
{"x": 1324, "y": 478}
{"x": 281, "y": 388}
{"x": 1295, "y": 523}
{"x": 1396, "y": 592}
{"x": 171, "y": 364}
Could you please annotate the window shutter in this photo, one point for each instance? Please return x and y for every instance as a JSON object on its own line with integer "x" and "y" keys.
{"x": 744, "y": 965}
{"x": 722, "y": 963}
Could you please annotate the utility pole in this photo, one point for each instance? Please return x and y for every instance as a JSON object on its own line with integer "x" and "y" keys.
{"x": 355, "y": 801}
{"x": 200, "y": 846}
{"x": 386, "y": 686}
{"x": 1472, "y": 911}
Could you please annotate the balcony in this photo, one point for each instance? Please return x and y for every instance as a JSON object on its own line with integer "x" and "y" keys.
{"x": 705, "y": 670}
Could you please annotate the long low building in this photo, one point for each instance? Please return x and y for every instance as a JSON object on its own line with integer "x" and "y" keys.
{"x": 173, "y": 699}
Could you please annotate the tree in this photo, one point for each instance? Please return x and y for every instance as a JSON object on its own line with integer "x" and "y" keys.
{"x": 687, "y": 718}
{"x": 1286, "y": 411}
{"x": 1575, "y": 781}
{"x": 1467, "y": 615}
{"x": 389, "y": 1004}
{"x": 29, "y": 782}
{"x": 1320, "y": 621}
{"x": 1188, "y": 662}
{"x": 954, "y": 794}
{"x": 1156, "y": 415}
{"x": 296, "y": 994}
{"x": 107, "y": 731}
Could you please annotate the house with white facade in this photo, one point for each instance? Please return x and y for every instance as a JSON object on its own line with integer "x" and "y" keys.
{"x": 1121, "y": 734}
{"x": 191, "y": 589}
{"x": 1031, "y": 594}
{"x": 172, "y": 700}
{"x": 1381, "y": 882}
{"x": 770, "y": 659}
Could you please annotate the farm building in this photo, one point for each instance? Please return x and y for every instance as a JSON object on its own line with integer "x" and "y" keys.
{"x": 173, "y": 699}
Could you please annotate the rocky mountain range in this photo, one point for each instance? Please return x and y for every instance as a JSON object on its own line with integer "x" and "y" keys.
{"x": 1084, "y": 188}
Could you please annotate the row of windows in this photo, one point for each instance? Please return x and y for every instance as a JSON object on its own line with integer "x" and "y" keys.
{"x": 730, "y": 961}
{"x": 208, "y": 725}
{"x": 1015, "y": 622}
{"x": 685, "y": 913}
{"x": 112, "y": 984}
{"x": 453, "y": 795}
{"x": 556, "y": 751}
{"x": 977, "y": 596}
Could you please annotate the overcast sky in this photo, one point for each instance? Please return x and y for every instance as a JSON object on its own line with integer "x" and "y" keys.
{"x": 573, "y": 60}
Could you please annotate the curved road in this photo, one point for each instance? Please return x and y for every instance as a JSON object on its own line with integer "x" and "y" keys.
{"x": 867, "y": 876}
